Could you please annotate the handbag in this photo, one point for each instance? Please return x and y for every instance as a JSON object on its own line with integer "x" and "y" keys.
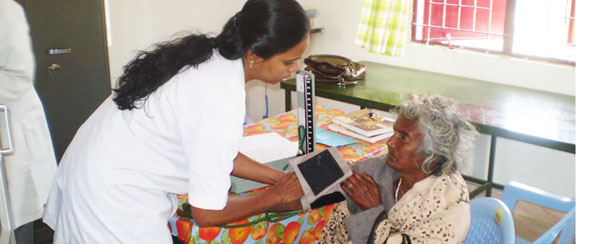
{"x": 334, "y": 68}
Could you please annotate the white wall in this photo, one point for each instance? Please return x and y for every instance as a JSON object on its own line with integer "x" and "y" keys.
{"x": 136, "y": 24}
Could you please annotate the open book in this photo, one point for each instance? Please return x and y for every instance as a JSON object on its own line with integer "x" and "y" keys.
{"x": 365, "y": 122}
{"x": 373, "y": 139}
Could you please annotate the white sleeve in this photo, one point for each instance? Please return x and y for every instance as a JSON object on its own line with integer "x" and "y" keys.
{"x": 210, "y": 137}
{"x": 210, "y": 145}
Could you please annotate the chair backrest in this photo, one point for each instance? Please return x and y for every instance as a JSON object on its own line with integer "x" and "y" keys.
{"x": 491, "y": 222}
{"x": 514, "y": 191}
{"x": 566, "y": 228}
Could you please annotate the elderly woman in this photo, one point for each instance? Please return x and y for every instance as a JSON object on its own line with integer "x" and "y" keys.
{"x": 415, "y": 194}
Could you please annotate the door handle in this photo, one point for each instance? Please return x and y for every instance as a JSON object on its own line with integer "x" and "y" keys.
{"x": 53, "y": 68}
{"x": 57, "y": 51}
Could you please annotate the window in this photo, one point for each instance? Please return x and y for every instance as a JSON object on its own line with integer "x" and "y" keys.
{"x": 535, "y": 29}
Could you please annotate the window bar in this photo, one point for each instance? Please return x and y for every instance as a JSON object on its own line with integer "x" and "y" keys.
{"x": 442, "y": 39}
{"x": 508, "y": 34}
{"x": 489, "y": 30}
{"x": 509, "y": 27}
{"x": 474, "y": 15}
{"x": 458, "y": 5}
{"x": 547, "y": 36}
{"x": 419, "y": 19}
{"x": 571, "y": 24}
{"x": 459, "y": 14}
{"x": 458, "y": 29}
{"x": 567, "y": 20}
{"x": 444, "y": 16}
{"x": 429, "y": 24}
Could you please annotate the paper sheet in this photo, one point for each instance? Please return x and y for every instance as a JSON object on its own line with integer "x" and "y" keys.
{"x": 267, "y": 147}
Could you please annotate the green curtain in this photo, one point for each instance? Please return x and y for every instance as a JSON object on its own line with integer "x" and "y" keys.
{"x": 383, "y": 26}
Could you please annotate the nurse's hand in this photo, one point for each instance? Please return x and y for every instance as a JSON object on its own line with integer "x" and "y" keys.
{"x": 288, "y": 189}
{"x": 286, "y": 207}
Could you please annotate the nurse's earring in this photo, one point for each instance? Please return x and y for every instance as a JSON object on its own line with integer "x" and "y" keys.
{"x": 251, "y": 63}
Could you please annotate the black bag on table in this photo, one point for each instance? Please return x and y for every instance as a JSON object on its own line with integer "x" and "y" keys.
{"x": 334, "y": 68}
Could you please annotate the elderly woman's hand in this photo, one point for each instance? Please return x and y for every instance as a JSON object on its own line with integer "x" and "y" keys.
{"x": 363, "y": 190}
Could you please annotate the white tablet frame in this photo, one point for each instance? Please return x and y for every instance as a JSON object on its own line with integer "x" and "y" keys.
{"x": 309, "y": 195}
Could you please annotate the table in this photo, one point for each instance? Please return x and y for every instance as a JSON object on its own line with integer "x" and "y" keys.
{"x": 304, "y": 227}
{"x": 531, "y": 116}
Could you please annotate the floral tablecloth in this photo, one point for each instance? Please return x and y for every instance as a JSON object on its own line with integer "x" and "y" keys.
{"x": 303, "y": 228}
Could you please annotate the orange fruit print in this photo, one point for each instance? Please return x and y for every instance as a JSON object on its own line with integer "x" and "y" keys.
{"x": 347, "y": 150}
{"x": 291, "y": 232}
{"x": 327, "y": 210}
{"x": 208, "y": 233}
{"x": 272, "y": 236}
{"x": 259, "y": 230}
{"x": 240, "y": 234}
{"x": 287, "y": 117}
{"x": 314, "y": 216}
{"x": 280, "y": 126}
{"x": 318, "y": 231}
{"x": 307, "y": 237}
{"x": 184, "y": 229}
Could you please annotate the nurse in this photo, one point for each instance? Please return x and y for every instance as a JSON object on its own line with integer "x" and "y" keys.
{"x": 173, "y": 127}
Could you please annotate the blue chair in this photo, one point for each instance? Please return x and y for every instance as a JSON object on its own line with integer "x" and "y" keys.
{"x": 515, "y": 191}
{"x": 491, "y": 222}
{"x": 565, "y": 226}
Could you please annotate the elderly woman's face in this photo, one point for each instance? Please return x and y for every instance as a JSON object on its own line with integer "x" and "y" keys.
{"x": 404, "y": 145}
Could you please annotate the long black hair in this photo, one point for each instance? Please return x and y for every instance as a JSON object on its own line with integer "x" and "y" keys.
{"x": 265, "y": 27}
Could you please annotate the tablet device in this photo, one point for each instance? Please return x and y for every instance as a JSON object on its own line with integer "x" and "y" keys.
{"x": 320, "y": 173}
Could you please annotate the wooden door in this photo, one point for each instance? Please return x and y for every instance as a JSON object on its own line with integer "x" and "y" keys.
{"x": 72, "y": 74}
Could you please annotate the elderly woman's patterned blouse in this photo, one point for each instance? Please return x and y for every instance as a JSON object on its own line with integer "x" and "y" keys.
{"x": 435, "y": 210}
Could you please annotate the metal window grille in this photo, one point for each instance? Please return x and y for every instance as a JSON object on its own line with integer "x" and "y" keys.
{"x": 533, "y": 29}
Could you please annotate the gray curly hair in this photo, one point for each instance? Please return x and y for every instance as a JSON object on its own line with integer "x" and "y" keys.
{"x": 446, "y": 132}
